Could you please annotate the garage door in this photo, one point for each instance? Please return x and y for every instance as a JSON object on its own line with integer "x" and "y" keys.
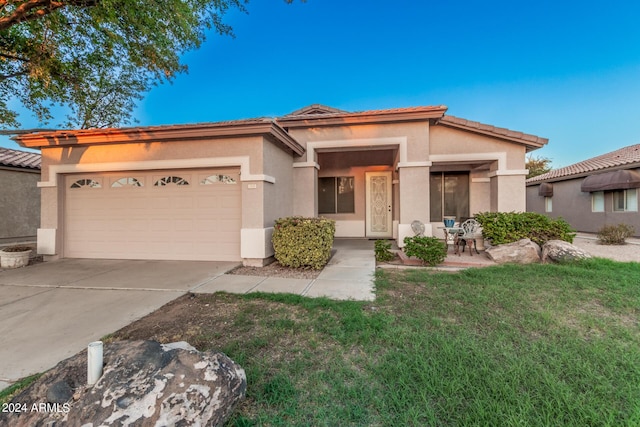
{"x": 166, "y": 215}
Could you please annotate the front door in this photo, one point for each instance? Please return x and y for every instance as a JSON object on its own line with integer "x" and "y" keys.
{"x": 378, "y": 204}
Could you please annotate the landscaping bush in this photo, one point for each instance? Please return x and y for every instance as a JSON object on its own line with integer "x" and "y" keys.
{"x": 428, "y": 249}
{"x": 508, "y": 227}
{"x": 382, "y": 251}
{"x": 615, "y": 234}
{"x": 303, "y": 242}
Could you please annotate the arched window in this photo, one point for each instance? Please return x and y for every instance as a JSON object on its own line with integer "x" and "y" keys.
{"x": 126, "y": 182}
{"x": 216, "y": 179}
{"x": 82, "y": 183}
{"x": 168, "y": 180}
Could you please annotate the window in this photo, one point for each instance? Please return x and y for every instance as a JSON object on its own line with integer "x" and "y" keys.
{"x": 548, "y": 204}
{"x": 625, "y": 200}
{"x": 168, "y": 180}
{"x": 126, "y": 182}
{"x": 597, "y": 201}
{"x": 336, "y": 195}
{"x": 215, "y": 179}
{"x": 86, "y": 183}
{"x": 449, "y": 195}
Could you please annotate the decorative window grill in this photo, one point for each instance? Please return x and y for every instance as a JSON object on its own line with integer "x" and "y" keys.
{"x": 168, "y": 180}
{"x": 127, "y": 182}
{"x": 216, "y": 179}
{"x": 84, "y": 183}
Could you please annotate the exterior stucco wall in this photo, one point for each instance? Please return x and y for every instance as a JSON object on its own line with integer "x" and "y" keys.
{"x": 501, "y": 184}
{"x": 278, "y": 197}
{"x": 19, "y": 204}
{"x": 575, "y": 207}
{"x": 150, "y": 151}
{"x": 417, "y": 136}
{"x": 445, "y": 140}
{"x": 137, "y": 155}
{"x": 403, "y": 143}
{"x": 479, "y": 193}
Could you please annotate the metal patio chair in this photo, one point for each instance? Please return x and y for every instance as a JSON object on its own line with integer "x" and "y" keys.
{"x": 468, "y": 236}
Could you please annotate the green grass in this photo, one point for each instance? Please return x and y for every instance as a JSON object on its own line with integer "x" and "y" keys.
{"x": 511, "y": 346}
{"x": 536, "y": 345}
{"x": 7, "y": 394}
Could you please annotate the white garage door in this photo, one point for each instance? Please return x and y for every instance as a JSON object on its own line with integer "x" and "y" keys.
{"x": 166, "y": 215}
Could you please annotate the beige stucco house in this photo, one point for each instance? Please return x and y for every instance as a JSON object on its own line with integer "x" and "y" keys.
{"x": 212, "y": 191}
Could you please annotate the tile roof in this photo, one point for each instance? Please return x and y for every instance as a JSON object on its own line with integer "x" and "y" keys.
{"x": 20, "y": 159}
{"x": 312, "y": 115}
{"x": 318, "y": 111}
{"x": 315, "y": 109}
{"x": 625, "y": 156}
{"x": 493, "y": 130}
{"x": 106, "y": 131}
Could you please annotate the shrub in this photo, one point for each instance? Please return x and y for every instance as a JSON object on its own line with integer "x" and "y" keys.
{"x": 507, "y": 227}
{"x": 428, "y": 249}
{"x": 303, "y": 242}
{"x": 382, "y": 251}
{"x": 615, "y": 234}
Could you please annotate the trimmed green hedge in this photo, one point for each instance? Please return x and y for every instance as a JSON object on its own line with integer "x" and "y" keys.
{"x": 507, "y": 227}
{"x": 428, "y": 249}
{"x": 303, "y": 242}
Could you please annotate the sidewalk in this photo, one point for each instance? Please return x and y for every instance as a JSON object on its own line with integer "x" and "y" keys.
{"x": 347, "y": 276}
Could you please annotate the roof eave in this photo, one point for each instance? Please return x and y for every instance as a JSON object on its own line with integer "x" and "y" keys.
{"x": 29, "y": 169}
{"x": 160, "y": 134}
{"x": 583, "y": 174}
{"x": 531, "y": 142}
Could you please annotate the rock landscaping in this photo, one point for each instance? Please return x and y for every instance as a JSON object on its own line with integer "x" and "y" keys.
{"x": 144, "y": 383}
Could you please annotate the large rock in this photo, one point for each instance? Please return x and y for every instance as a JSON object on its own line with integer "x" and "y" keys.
{"x": 144, "y": 384}
{"x": 561, "y": 251}
{"x": 521, "y": 252}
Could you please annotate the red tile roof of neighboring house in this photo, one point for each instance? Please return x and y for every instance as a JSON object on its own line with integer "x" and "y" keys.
{"x": 20, "y": 159}
{"x": 627, "y": 156}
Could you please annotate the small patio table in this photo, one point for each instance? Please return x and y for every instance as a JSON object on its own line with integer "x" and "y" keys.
{"x": 451, "y": 236}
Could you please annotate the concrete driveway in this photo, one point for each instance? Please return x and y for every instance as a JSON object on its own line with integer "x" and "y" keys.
{"x": 50, "y": 311}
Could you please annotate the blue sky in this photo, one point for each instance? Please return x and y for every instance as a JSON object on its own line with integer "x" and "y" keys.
{"x": 564, "y": 70}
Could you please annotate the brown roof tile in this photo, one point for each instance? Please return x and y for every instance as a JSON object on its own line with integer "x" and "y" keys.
{"x": 318, "y": 111}
{"x": 20, "y": 159}
{"x": 314, "y": 109}
{"x": 531, "y": 140}
{"x": 615, "y": 159}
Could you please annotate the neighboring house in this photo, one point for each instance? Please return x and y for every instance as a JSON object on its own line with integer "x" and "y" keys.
{"x": 592, "y": 193}
{"x": 212, "y": 191}
{"x": 19, "y": 195}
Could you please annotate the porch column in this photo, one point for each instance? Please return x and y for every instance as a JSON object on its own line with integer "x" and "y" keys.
{"x": 508, "y": 192}
{"x": 305, "y": 189}
{"x": 414, "y": 200}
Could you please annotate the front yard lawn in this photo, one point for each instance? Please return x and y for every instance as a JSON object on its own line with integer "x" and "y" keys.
{"x": 511, "y": 345}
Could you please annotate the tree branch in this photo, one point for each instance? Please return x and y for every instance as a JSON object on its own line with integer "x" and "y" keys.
{"x": 17, "y": 58}
{"x": 4, "y": 77}
{"x": 36, "y": 9}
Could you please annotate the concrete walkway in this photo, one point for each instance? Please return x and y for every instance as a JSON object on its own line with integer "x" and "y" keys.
{"x": 347, "y": 276}
{"x": 51, "y": 311}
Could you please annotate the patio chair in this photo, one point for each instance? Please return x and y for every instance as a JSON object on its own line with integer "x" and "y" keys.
{"x": 468, "y": 236}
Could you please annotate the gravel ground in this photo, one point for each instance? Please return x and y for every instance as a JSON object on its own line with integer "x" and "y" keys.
{"x": 623, "y": 253}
